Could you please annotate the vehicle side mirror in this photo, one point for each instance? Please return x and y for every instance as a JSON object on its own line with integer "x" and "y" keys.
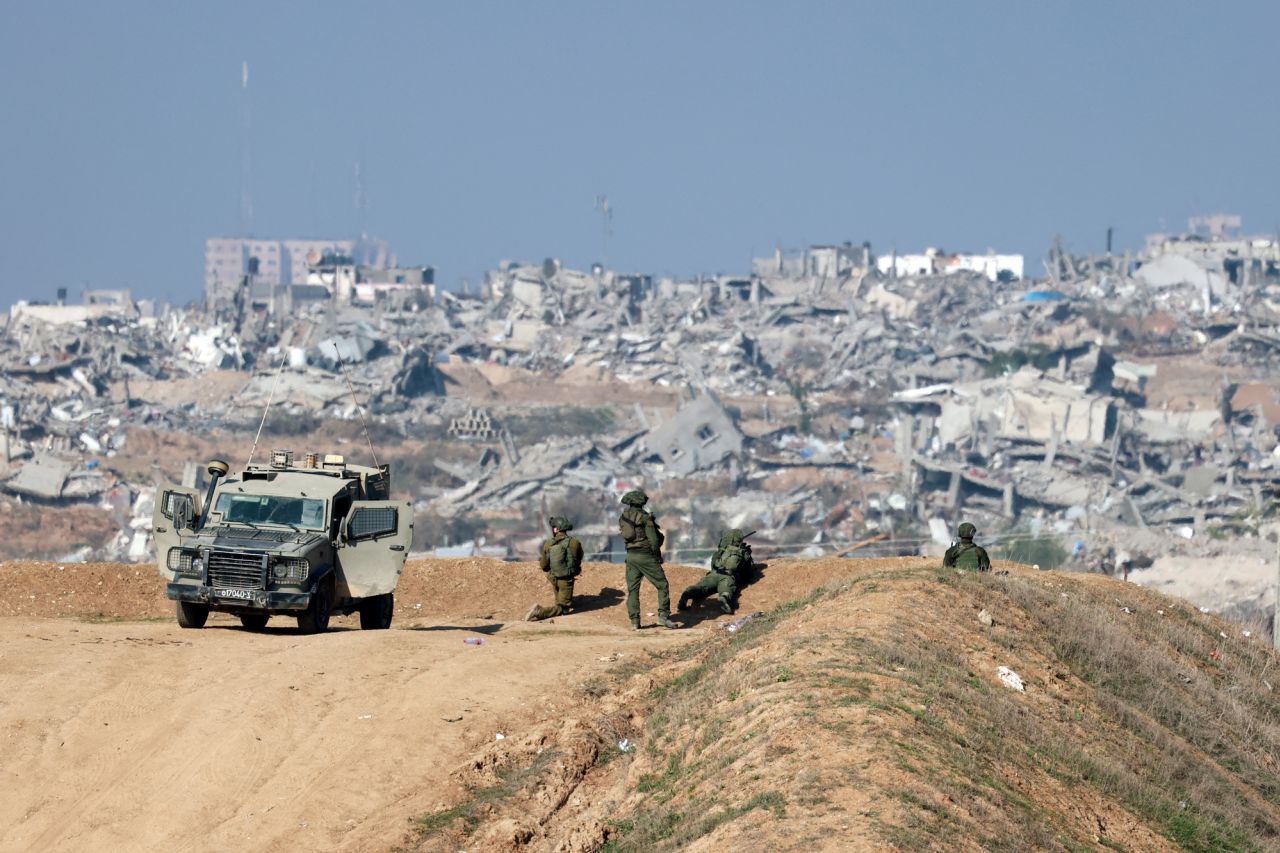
{"x": 184, "y": 513}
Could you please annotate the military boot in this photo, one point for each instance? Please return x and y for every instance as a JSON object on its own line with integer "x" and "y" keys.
{"x": 635, "y": 626}
{"x": 532, "y": 615}
{"x": 726, "y": 605}
{"x": 665, "y": 622}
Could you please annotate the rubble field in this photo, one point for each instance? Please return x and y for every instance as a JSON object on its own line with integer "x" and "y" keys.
{"x": 1114, "y": 411}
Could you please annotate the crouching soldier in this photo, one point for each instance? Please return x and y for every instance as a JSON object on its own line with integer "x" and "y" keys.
{"x": 562, "y": 561}
{"x": 730, "y": 566}
{"x": 965, "y": 554}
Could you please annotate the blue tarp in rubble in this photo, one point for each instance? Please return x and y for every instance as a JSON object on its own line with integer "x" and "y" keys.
{"x": 1043, "y": 296}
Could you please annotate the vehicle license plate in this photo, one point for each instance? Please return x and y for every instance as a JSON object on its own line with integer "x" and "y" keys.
{"x": 243, "y": 594}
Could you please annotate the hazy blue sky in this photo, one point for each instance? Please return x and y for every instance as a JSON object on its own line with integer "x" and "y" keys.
{"x": 717, "y": 129}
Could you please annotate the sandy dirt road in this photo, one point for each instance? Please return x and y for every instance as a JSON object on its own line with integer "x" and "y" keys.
{"x": 140, "y": 736}
{"x": 121, "y": 731}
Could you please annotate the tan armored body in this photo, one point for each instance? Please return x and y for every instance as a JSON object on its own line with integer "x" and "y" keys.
{"x": 302, "y": 539}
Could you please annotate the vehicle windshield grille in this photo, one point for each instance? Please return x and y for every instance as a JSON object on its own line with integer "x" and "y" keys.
{"x": 263, "y": 534}
{"x": 238, "y": 569}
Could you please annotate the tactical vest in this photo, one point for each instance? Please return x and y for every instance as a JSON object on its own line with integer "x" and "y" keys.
{"x": 562, "y": 557}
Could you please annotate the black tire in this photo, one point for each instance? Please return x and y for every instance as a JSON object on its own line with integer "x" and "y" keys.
{"x": 376, "y": 612}
{"x": 315, "y": 619}
{"x": 191, "y": 614}
{"x": 254, "y": 621}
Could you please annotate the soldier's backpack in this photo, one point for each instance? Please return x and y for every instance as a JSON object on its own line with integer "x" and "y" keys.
{"x": 733, "y": 559}
{"x": 966, "y": 556}
{"x": 631, "y": 526}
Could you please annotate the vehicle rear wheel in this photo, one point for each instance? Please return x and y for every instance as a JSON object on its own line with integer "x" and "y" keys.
{"x": 315, "y": 619}
{"x": 254, "y": 621}
{"x": 191, "y": 614}
{"x": 375, "y": 612}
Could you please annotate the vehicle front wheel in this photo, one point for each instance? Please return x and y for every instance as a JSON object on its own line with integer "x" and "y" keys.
{"x": 191, "y": 614}
{"x": 315, "y": 619}
{"x": 254, "y": 621}
{"x": 375, "y": 612}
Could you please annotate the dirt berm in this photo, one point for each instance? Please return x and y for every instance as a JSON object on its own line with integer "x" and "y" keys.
{"x": 875, "y": 704}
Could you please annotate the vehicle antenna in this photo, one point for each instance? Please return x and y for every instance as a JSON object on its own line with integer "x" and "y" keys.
{"x": 343, "y": 367}
{"x": 270, "y": 398}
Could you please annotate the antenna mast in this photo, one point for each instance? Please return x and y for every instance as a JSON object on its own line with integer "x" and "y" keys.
{"x": 270, "y": 399}
{"x": 601, "y": 205}
{"x": 361, "y": 196}
{"x": 246, "y": 160}
{"x": 337, "y": 356}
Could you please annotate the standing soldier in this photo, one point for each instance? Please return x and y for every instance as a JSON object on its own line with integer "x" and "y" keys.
{"x": 562, "y": 561}
{"x": 965, "y": 554}
{"x": 643, "y": 539}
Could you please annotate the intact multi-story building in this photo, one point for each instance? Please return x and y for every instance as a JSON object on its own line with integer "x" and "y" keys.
{"x": 227, "y": 259}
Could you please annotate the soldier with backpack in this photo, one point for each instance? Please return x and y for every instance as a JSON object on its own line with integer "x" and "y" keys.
{"x": 731, "y": 566}
{"x": 562, "y": 561}
{"x": 643, "y": 539}
{"x": 965, "y": 554}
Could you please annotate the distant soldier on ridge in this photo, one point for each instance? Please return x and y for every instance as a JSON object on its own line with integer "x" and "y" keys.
{"x": 643, "y": 539}
{"x": 964, "y": 554}
{"x": 562, "y": 561}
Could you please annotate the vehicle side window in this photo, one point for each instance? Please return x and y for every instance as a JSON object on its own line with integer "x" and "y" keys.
{"x": 370, "y": 522}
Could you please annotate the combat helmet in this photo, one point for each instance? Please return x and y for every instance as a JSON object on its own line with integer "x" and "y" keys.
{"x": 635, "y": 497}
{"x": 732, "y": 536}
{"x": 560, "y": 523}
{"x": 966, "y": 531}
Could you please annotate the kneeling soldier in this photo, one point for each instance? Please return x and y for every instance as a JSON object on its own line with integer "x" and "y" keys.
{"x": 562, "y": 561}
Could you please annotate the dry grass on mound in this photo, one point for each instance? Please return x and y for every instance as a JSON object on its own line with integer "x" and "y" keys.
{"x": 870, "y": 716}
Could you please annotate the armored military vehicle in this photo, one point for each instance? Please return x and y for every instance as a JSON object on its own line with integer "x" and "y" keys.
{"x": 302, "y": 538}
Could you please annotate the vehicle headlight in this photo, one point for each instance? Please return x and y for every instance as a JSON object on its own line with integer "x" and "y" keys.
{"x": 184, "y": 562}
{"x": 293, "y": 570}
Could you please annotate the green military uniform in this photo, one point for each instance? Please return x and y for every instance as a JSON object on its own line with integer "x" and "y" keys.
{"x": 562, "y": 561}
{"x": 965, "y": 554}
{"x": 643, "y": 540}
{"x": 730, "y": 565}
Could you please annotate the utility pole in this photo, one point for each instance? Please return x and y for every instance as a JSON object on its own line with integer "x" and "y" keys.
{"x": 1275, "y": 611}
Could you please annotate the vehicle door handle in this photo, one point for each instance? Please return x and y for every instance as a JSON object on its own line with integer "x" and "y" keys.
{"x": 397, "y": 547}
{"x": 161, "y": 530}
